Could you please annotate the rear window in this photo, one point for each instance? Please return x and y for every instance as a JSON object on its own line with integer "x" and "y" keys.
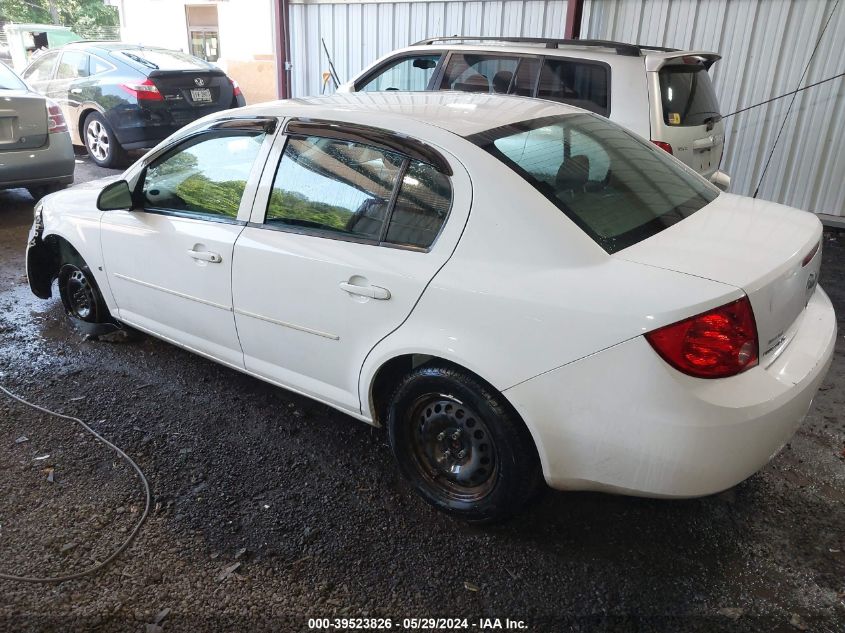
{"x": 161, "y": 59}
{"x": 687, "y": 95}
{"x": 9, "y": 80}
{"x": 618, "y": 188}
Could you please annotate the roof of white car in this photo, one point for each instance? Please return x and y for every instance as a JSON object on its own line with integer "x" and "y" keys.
{"x": 458, "y": 112}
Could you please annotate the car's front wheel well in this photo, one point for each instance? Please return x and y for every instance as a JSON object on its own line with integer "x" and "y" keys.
{"x": 46, "y": 258}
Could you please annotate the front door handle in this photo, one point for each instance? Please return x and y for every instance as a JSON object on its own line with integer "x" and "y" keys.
{"x": 373, "y": 292}
{"x": 206, "y": 256}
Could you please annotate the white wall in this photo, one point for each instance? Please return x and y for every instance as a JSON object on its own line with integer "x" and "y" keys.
{"x": 765, "y": 45}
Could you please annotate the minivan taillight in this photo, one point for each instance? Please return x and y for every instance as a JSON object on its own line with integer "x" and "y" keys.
{"x": 663, "y": 145}
{"x": 143, "y": 91}
{"x": 55, "y": 119}
{"x": 715, "y": 344}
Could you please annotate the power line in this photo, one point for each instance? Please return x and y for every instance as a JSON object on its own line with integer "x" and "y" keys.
{"x": 807, "y": 87}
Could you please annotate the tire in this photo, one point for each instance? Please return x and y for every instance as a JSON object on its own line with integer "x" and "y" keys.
{"x": 461, "y": 445}
{"x": 80, "y": 294}
{"x": 101, "y": 143}
{"x": 40, "y": 191}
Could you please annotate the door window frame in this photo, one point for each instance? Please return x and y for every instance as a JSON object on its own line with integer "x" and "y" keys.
{"x": 376, "y": 138}
{"x": 398, "y": 59}
{"x": 440, "y": 71}
{"x": 267, "y": 125}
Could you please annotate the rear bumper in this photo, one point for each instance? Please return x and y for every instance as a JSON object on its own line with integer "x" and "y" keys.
{"x": 52, "y": 164}
{"x": 721, "y": 180}
{"x": 141, "y": 128}
{"x": 623, "y": 421}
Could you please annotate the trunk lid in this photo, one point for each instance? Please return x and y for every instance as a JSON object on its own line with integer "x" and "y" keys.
{"x": 758, "y": 246}
{"x": 193, "y": 89}
{"x": 23, "y": 120}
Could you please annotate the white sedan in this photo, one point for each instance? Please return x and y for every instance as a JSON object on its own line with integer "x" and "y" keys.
{"x": 519, "y": 290}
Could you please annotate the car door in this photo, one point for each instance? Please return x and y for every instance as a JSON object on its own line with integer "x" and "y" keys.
{"x": 64, "y": 89}
{"x": 40, "y": 72}
{"x": 346, "y": 233}
{"x": 406, "y": 72}
{"x": 169, "y": 259}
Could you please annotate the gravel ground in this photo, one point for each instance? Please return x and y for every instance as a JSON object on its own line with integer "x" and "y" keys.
{"x": 270, "y": 509}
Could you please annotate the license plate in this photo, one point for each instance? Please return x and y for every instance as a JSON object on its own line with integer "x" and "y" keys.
{"x": 201, "y": 94}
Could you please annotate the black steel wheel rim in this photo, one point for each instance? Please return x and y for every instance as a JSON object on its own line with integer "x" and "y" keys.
{"x": 452, "y": 448}
{"x": 80, "y": 294}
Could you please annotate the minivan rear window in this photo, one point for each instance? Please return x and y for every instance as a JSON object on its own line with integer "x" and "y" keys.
{"x": 161, "y": 59}
{"x": 687, "y": 95}
{"x": 617, "y": 187}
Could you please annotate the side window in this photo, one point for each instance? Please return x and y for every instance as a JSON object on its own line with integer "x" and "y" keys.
{"x": 471, "y": 72}
{"x": 42, "y": 69}
{"x": 97, "y": 66}
{"x": 577, "y": 83}
{"x": 333, "y": 186}
{"x": 408, "y": 73}
{"x": 73, "y": 64}
{"x": 422, "y": 205}
{"x": 526, "y": 77}
{"x": 206, "y": 175}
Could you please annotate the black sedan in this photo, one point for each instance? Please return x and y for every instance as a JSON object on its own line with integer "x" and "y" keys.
{"x": 117, "y": 97}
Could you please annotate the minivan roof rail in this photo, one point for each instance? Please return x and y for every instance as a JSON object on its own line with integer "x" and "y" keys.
{"x": 621, "y": 48}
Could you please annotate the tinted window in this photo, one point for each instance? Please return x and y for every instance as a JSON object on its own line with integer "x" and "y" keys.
{"x": 576, "y": 83}
{"x": 618, "y": 188}
{"x": 470, "y": 72}
{"x": 161, "y": 59}
{"x": 425, "y": 196}
{"x": 9, "y": 80}
{"x": 97, "y": 66}
{"x": 687, "y": 95}
{"x": 526, "y": 77}
{"x": 72, "y": 65}
{"x": 333, "y": 186}
{"x": 409, "y": 73}
{"x": 206, "y": 175}
{"x": 41, "y": 69}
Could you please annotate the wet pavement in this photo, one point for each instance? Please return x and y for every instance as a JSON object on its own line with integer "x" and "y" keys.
{"x": 271, "y": 509}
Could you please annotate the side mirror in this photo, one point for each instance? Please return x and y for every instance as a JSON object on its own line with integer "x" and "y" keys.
{"x": 115, "y": 196}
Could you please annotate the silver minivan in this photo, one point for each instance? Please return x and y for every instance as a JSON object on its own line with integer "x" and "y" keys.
{"x": 664, "y": 95}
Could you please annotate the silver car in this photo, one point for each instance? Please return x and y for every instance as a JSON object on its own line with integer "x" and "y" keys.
{"x": 35, "y": 148}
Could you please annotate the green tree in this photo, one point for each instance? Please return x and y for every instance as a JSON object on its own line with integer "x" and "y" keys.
{"x": 77, "y": 14}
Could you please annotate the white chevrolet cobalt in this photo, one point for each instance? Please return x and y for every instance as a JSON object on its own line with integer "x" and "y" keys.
{"x": 518, "y": 289}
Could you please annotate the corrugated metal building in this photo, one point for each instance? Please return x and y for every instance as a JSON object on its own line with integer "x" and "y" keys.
{"x": 765, "y": 46}
{"x": 357, "y": 33}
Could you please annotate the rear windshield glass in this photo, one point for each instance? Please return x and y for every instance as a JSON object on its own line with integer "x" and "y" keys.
{"x": 160, "y": 59}
{"x": 9, "y": 80}
{"x": 687, "y": 95}
{"x": 618, "y": 188}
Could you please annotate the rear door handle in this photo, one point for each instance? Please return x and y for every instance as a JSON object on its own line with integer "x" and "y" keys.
{"x": 373, "y": 292}
{"x": 206, "y": 256}
{"x": 76, "y": 91}
{"x": 703, "y": 143}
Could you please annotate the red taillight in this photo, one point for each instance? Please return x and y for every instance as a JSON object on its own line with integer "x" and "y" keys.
{"x": 144, "y": 91}
{"x": 236, "y": 89}
{"x": 715, "y": 344}
{"x": 663, "y": 145}
{"x": 55, "y": 119}
{"x": 809, "y": 257}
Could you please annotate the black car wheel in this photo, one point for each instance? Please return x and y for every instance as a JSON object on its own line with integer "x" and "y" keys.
{"x": 80, "y": 295}
{"x": 101, "y": 143}
{"x": 461, "y": 446}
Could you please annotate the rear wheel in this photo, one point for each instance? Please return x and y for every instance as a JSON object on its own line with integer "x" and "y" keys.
{"x": 101, "y": 143}
{"x": 461, "y": 446}
{"x": 80, "y": 295}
